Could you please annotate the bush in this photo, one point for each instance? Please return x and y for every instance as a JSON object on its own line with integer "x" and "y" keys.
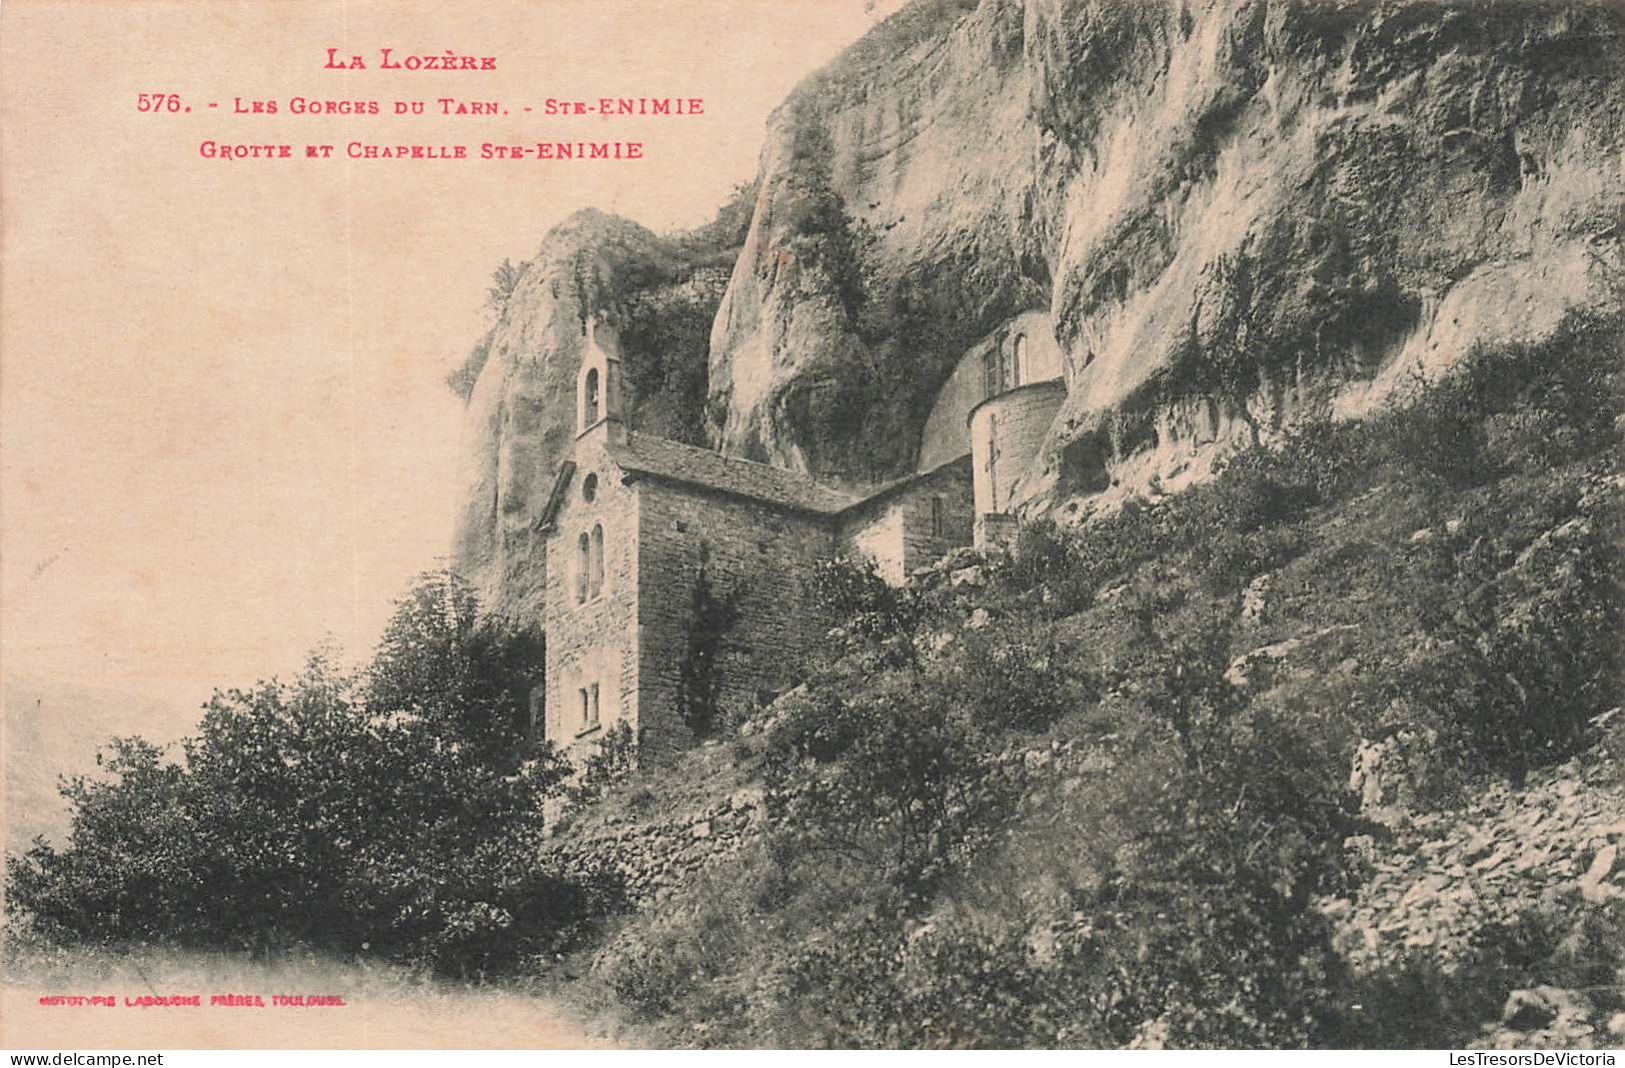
{"x": 1523, "y": 627}
{"x": 1416, "y": 1002}
{"x": 1172, "y": 902}
{"x": 613, "y": 758}
{"x": 1069, "y": 568}
{"x": 868, "y": 611}
{"x": 396, "y": 812}
{"x": 1043, "y": 553}
{"x": 460, "y": 379}
{"x": 899, "y": 776}
{"x": 1014, "y": 675}
{"x": 1520, "y": 405}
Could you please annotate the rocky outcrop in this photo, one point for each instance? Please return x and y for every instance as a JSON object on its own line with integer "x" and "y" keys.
{"x": 1240, "y": 213}
{"x": 894, "y": 227}
{"x": 520, "y": 413}
{"x": 1237, "y": 213}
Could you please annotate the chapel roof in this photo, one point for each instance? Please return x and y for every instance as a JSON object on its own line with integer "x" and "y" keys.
{"x": 662, "y": 458}
{"x": 688, "y": 465}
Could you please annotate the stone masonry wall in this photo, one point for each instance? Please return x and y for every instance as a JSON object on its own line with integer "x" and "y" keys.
{"x": 1015, "y": 423}
{"x": 875, "y": 533}
{"x": 756, "y": 554}
{"x": 656, "y": 858}
{"x": 897, "y": 532}
{"x": 923, "y": 543}
{"x": 596, "y": 641}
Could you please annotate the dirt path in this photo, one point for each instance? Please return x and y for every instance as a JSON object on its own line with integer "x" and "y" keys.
{"x": 383, "y": 1009}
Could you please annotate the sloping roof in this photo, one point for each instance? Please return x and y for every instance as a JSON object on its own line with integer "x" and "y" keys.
{"x": 555, "y": 497}
{"x": 644, "y": 454}
{"x": 888, "y": 489}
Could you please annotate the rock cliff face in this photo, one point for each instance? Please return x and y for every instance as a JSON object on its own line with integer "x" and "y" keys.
{"x": 1239, "y": 214}
{"x": 659, "y": 295}
{"x": 521, "y": 409}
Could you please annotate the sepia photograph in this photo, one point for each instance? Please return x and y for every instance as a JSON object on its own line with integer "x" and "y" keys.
{"x": 812, "y": 525}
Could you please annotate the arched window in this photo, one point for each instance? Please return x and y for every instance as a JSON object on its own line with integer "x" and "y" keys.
{"x": 589, "y": 488}
{"x": 589, "y": 399}
{"x": 597, "y": 581}
{"x": 583, "y": 567}
{"x": 1018, "y": 361}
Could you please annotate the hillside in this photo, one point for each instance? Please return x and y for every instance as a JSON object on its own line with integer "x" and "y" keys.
{"x": 1326, "y": 752}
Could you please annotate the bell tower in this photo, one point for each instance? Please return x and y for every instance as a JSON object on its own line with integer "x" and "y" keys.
{"x": 598, "y": 383}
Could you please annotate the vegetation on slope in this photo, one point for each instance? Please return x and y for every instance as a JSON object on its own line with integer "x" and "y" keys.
{"x": 1096, "y": 794}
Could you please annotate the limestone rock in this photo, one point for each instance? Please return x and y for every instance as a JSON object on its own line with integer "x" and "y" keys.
{"x": 1361, "y": 191}
{"x": 747, "y": 799}
{"x": 1592, "y": 885}
{"x": 1254, "y": 598}
{"x": 520, "y": 415}
{"x": 1545, "y": 1008}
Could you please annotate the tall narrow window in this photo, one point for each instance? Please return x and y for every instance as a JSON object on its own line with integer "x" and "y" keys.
{"x": 586, "y": 708}
{"x": 589, "y": 400}
{"x": 990, "y": 373}
{"x": 592, "y": 705}
{"x": 583, "y": 567}
{"x": 992, "y": 462}
{"x": 1018, "y": 361}
{"x": 596, "y": 581}
{"x": 936, "y": 517}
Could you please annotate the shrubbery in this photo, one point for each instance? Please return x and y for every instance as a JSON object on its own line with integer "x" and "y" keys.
{"x": 1523, "y": 633}
{"x": 871, "y": 615}
{"x": 398, "y": 811}
{"x": 1172, "y": 902}
{"x": 1519, "y": 406}
{"x": 611, "y": 760}
{"x": 1415, "y": 1003}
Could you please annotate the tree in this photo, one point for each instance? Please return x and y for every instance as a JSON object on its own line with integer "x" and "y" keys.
{"x": 471, "y": 677}
{"x": 503, "y": 282}
{"x": 392, "y": 809}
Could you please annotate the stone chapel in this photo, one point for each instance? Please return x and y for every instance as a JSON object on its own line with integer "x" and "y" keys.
{"x": 631, "y": 518}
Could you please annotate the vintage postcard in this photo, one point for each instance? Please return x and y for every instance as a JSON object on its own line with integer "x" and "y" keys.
{"x": 812, "y": 523}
